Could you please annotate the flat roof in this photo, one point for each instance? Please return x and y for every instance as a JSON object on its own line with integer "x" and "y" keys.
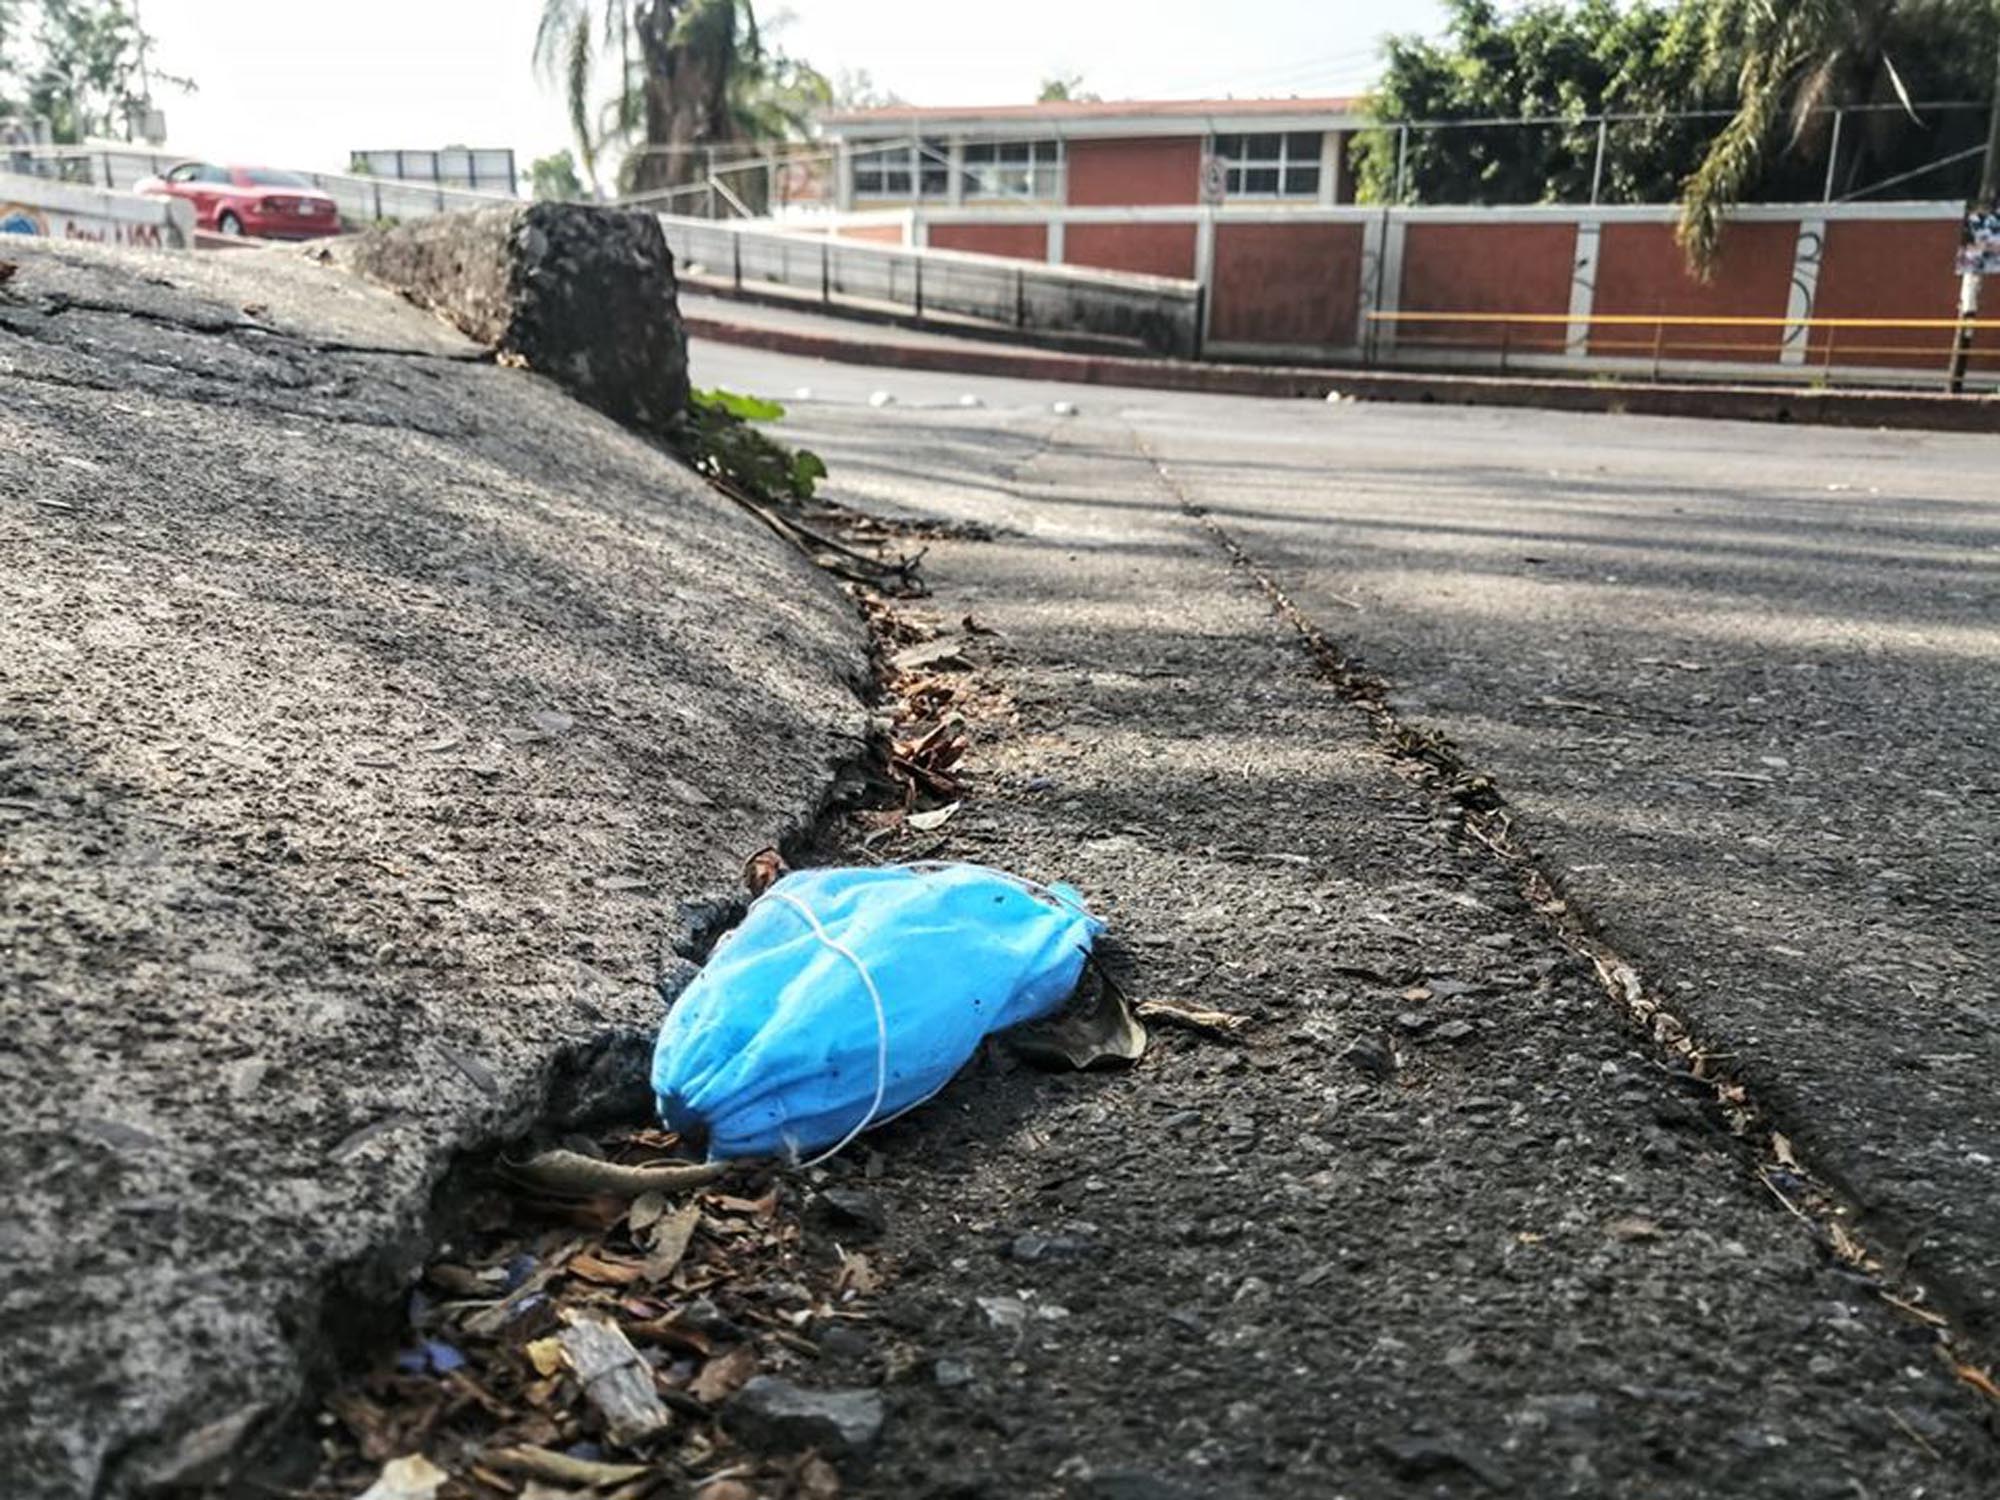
{"x": 1095, "y": 116}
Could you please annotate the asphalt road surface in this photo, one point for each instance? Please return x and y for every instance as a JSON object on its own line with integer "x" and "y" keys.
{"x": 1740, "y": 684}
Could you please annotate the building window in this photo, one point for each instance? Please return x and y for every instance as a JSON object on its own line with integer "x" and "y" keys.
{"x": 902, "y": 170}
{"x": 1270, "y": 166}
{"x": 1013, "y": 169}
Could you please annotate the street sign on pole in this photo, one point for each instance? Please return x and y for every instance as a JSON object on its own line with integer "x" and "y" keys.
{"x": 1979, "y": 251}
{"x": 1214, "y": 179}
{"x": 1983, "y": 207}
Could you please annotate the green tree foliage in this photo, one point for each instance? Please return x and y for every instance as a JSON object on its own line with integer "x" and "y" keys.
{"x": 1766, "y": 73}
{"x": 855, "y": 88}
{"x": 1785, "y": 64}
{"x": 1064, "y": 87}
{"x": 1567, "y": 61}
{"x": 693, "y": 77}
{"x": 718, "y": 437}
{"x": 554, "y": 179}
{"x": 83, "y": 67}
{"x": 10, "y": 14}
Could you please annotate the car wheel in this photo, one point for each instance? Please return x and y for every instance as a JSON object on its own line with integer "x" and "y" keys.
{"x": 227, "y": 223}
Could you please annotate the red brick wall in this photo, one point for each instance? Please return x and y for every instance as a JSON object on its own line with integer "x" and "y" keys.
{"x": 1498, "y": 268}
{"x": 1286, "y": 283}
{"x": 1121, "y": 173}
{"x": 1155, "y": 249}
{"x": 1641, "y": 270}
{"x": 1890, "y": 269}
{"x": 1020, "y": 241}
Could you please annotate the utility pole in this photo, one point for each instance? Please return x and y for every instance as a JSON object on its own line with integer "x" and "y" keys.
{"x": 1968, "y": 283}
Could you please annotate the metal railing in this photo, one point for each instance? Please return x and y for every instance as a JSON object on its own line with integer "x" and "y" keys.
{"x": 1804, "y": 347}
{"x": 1159, "y": 313}
{"x": 362, "y": 200}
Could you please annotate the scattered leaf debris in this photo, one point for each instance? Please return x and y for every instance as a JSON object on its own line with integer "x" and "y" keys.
{"x": 580, "y": 1338}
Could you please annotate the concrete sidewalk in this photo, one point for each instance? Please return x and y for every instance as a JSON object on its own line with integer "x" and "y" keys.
{"x": 375, "y": 717}
{"x": 1444, "y": 1223}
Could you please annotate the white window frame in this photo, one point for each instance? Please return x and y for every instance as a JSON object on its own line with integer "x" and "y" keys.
{"x": 1036, "y": 174}
{"x": 912, "y": 159}
{"x": 1237, "y": 167}
{"x": 1028, "y": 169}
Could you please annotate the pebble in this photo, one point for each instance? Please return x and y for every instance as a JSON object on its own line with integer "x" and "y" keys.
{"x": 771, "y": 1414}
{"x": 844, "y": 1341}
{"x": 853, "y": 1208}
{"x": 1368, "y": 1056}
{"x": 1030, "y": 1247}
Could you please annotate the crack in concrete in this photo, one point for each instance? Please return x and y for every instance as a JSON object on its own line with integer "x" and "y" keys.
{"x": 1827, "y": 1207}
{"x": 248, "y": 401}
{"x": 57, "y": 304}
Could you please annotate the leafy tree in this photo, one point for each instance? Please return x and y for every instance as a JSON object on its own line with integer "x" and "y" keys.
{"x": 1543, "y": 59}
{"x": 88, "y": 76}
{"x": 554, "y": 178}
{"x": 1788, "y": 63}
{"x": 9, "y": 64}
{"x": 854, "y": 88}
{"x": 1063, "y": 87}
{"x": 692, "y": 74}
{"x": 1730, "y": 98}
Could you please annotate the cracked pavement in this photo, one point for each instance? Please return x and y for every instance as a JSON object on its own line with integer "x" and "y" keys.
{"x": 1313, "y": 1281}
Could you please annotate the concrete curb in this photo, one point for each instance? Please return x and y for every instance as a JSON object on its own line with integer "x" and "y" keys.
{"x": 1830, "y": 408}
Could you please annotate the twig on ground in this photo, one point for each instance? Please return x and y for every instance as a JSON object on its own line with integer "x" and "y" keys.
{"x": 572, "y": 1172}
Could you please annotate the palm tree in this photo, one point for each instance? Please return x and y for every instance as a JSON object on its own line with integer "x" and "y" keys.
{"x": 683, "y": 72}
{"x": 1789, "y": 60}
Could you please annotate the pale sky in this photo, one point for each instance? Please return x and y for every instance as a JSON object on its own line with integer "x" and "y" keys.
{"x": 302, "y": 82}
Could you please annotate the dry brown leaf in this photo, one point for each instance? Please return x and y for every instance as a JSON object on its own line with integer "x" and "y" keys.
{"x": 724, "y": 1375}
{"x": 756, "y": 1208}
{"x": 644, "y": 1210}
{"x": 763, "y": 870}
{"x": 671, "y": 1236}
{"x": 936, "y": 818}
{"x": 818, "y": 1479}
{"x": 606, "y": 1270}
{"x": 1214, "y": 1022}
{"x": 1781, "y": 1147}
{"x": 856, "y": 1277}
{"x": 674, "y": 1334}
{"x": 1978, "y": 1379}
{"x": 367, "y": 1421}
{"x": 546, "y": 1356}
{"x": 1844, "y": 1244}
{"x": 544, "y": 1463}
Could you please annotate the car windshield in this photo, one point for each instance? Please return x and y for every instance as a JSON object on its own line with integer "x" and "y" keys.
{"x": 265, "y": 177}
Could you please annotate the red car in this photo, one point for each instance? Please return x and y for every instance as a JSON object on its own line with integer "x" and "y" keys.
{"x": 257, "y": 201}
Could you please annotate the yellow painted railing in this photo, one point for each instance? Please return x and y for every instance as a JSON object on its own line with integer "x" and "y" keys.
{"x": 1537, "y": 334}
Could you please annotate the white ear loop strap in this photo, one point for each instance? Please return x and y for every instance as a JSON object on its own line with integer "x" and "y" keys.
{"x": 881, "y": 1023}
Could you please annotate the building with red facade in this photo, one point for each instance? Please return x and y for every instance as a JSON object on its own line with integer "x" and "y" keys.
{"x": 1254, "y": 200}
